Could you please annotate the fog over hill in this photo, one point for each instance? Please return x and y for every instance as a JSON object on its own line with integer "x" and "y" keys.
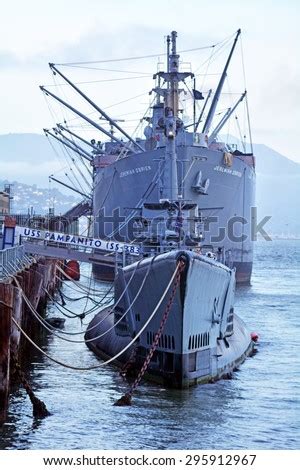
{"x": 28, "y": 159}
{"x": 278, "y": 190}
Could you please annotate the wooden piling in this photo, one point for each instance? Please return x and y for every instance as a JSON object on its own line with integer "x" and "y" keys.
{"x": 6, "y": 303}
{"x": 33, "y": 281}
{"x": 17, "y": 314}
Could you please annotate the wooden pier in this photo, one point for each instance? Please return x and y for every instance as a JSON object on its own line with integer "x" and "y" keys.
{"x": 35, "y": 277}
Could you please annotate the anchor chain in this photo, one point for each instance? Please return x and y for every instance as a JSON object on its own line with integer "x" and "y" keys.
{"x": 126, "y": 399}
{"x": 128, "y": 368}
{"x": 38, "y": 406}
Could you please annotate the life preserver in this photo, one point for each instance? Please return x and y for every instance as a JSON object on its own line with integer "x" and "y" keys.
{"x": 72, "y": 270}
{"x": 254, "y": 336}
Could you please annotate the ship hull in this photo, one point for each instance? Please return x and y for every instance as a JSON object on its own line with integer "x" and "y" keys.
{"x": 202, "y": 340}
{"x": 132, "y": 181}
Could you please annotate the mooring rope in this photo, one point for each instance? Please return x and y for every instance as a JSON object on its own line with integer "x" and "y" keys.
{"x": 119, "y": 299}
{"x": 108, "y": 361}
{"x": 80, "y": 316}
{"x": 91, "y": 289}
{"x": 125, "y": 313}
{"x": 98, "y": 303}
{"x": 53, "y": 331}
{"x": 81, "y": 289}
{"x": 94, "y": 308}
{"x": 125, "y": 400}
{"x": 116, "y": 303}
{"x": 64, "y": 296}
{"x": 41, "y": 319}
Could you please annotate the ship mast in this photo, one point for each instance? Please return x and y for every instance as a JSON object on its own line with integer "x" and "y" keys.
{"x": 214, "y": 103}
{"x": 225, "y": 118}
{"x": 171, "y": 113}
{"x": 171, "y": 121}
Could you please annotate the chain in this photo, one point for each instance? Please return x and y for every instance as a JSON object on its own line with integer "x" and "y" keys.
{"x": 125, "y": 400}
{"x": 128, "y": 367}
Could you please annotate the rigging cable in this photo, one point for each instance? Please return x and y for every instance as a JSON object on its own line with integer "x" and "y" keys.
{"x": 146, "y": 194}
{"x": 123, "y": 59}
{"x": 240, "y": 134}
{"x": 105, "y": 80}
{"x": 66, "y": 150}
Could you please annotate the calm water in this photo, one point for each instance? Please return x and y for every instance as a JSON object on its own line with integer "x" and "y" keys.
{"x": 258, "y": 409}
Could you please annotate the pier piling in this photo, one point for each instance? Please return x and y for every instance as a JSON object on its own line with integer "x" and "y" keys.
{"x": 21, "y": 278}
{"x": 5, "y": 333}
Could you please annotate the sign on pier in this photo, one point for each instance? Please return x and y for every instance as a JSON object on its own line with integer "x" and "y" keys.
{"x": 77, "y": 240}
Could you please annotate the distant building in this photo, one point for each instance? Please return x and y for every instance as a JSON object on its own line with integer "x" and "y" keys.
{"x": 4, "y": 210}
{"x": 4, "y": 203}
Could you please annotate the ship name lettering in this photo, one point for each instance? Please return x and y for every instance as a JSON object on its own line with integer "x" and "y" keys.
{"x": 133, "y": 171}
{"x": 229, "y": 171}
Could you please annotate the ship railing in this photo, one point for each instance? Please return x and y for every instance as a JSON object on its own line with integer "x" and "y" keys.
{"x": 153, "y": 249}
{"x": 12, "y": 260}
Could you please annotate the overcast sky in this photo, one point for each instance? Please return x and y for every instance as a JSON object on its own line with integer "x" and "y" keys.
{"x": 33, "y": 33}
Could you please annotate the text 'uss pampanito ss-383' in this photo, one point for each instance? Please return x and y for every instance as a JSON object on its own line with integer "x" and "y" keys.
{"x": 173, "y": 316}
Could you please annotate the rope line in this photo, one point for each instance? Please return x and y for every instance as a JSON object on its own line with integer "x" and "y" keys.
{"x": 116, "y": 303}
{"x": 126, "y": 399}
{"x": 53, "y": 330}
{"x": 81, "y": 289}
{"x": 41, "y": 320}
{"x": 101, "y": 81}
{"x": 76, "y": 64}
{"x": 74, "y": 314}
{"x": 91, "y": 289}
{"x": 125, "y": 313}
{"x": 146, "y": 194}
{"x": 68, "y": 366}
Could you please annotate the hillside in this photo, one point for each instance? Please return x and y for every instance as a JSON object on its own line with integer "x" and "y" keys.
{"x": 27, "y": 199}
{"x": 271, "y": 163}
{"x": 278, "y": 190}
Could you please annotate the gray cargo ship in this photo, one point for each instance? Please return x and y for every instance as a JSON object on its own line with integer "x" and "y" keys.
{"x": 216, "y": 178}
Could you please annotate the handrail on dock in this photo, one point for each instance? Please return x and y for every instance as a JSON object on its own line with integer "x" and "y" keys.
{"x": 12, "y": 260}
